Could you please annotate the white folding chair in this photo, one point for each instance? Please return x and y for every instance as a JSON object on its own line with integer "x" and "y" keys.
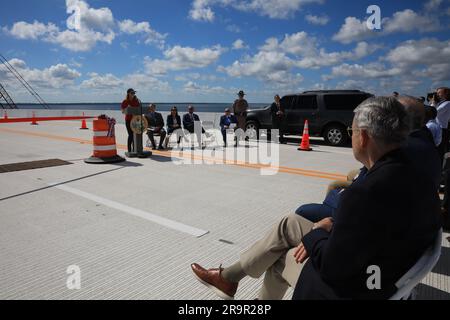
{"x": 419, "y": 271}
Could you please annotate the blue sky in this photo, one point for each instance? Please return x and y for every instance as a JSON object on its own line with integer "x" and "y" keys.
{"x": 207, "y": 50}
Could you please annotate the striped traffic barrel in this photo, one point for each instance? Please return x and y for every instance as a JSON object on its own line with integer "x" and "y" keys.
{"x": 105, "y": 149}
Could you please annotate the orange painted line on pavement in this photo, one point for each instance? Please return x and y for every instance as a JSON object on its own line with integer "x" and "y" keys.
{"x": 296, "y": 171}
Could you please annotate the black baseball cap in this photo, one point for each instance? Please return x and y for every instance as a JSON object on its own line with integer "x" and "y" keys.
{"x": 131, "y": 91}
{"x": 241, "y": 93}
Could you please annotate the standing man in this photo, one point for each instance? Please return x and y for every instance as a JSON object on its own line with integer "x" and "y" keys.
{"x": 443, "y": 117}
{"x": 240, "y": 108}
{"x": 156, "y": 126}
{"x": 278, "y": 117}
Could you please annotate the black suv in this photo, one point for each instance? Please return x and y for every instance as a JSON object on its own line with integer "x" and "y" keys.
{"x": 329, "y": 114}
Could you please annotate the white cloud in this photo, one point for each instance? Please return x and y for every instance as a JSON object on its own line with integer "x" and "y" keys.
{"x": 410, "y": 21}
{"x": 80, "y": 41}
{"x": 371, "y": 70}
{"x": 102, "y": 82}
{"x": 317, "y": 20}
{"x": 192, "y": 87}
{"x": 260, "y": 65}
{"x": 276, "y": 61}
{"x": 310, "y": 56}
{"x": 151, "y": 36}
{"x": 403, "y": 21}
{"x": 35, "y": 30}
{"x": 410, "y": 63}
{"x": 181, "y": 58}
{"x": 353, "y": 30}
{"x": 85, "y": 27}
{"x": 276, "y": 9}
{"x": 266, "y": 66}
{"x": 432, "y": 54}
{"x": 54, "y": 77}
{"x": 351, "y": 84}
{"x": 197, "y": 76}
{"x": 239, "y": 45}
{"x": 83, "y": 17}
{"x": 201, "y": 11}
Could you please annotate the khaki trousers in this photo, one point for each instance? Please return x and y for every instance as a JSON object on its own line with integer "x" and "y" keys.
{"x": 273, "y": 255}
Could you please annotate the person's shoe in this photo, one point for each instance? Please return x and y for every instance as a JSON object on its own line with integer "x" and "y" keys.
{"x": 213, "y": 279}
{"x": 161, "y": 148}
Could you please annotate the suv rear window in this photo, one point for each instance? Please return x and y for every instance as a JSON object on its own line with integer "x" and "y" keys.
{"x": 305, "y": 103}
{"x": 343, "y": 101}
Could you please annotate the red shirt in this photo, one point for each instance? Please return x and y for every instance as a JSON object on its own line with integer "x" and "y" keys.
{"x": 134, "y": 103}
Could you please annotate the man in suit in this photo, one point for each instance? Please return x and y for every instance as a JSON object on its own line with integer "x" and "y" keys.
{"x": 156, "y": 126}
{"x": 419, "y": 148}
{"x": 189, "y": 120}
{"x": 226, "y": 123}
{"x": 387, "y": 219}
{"x": 278, "y": 117}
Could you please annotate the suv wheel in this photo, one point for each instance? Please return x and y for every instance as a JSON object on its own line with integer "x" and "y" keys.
{"x": 252, "y": 130}
{"x": 336, "y": 135}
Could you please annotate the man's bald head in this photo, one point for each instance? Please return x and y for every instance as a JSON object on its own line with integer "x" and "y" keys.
{"x": 415, "y": 110}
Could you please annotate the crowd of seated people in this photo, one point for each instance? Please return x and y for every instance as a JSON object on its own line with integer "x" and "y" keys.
{"x": 387, "y": 213}
{"x": 182, "y": 126}
{"x": 156, "y": 126}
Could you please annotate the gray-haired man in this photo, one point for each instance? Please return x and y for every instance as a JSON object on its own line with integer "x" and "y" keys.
{"x": 387, "y": 220}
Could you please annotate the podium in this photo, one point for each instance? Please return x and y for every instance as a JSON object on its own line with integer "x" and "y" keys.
{"x": 138, "y": 148}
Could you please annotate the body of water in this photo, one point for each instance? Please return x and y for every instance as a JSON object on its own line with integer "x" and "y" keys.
{"x": 164, "y": 107}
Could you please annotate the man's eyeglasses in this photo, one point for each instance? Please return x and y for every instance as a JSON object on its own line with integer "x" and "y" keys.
{"x": 351, "y": 130}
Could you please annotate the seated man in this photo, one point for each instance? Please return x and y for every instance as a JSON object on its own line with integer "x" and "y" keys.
{"x": 189, "y": 120}
{"x": 227, "y": 122}
{"x": 388, "y": 219}
{"x": 156, "y": 126}
{"x": 419, "y": 148}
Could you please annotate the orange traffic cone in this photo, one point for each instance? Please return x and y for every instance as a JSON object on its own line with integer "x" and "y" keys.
{"x": 304, "y": 146}
{"x": 33, "y": 120}
{"x": 83, "y": 124}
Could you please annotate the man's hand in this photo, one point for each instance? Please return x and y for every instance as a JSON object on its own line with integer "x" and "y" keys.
{"x": 325, "y": 224}
{"x": 300, "y": 254}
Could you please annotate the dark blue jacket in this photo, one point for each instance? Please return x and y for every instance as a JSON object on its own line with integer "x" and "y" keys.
{"x": 226, "y": 121}
{"x": 388, "y": 220}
